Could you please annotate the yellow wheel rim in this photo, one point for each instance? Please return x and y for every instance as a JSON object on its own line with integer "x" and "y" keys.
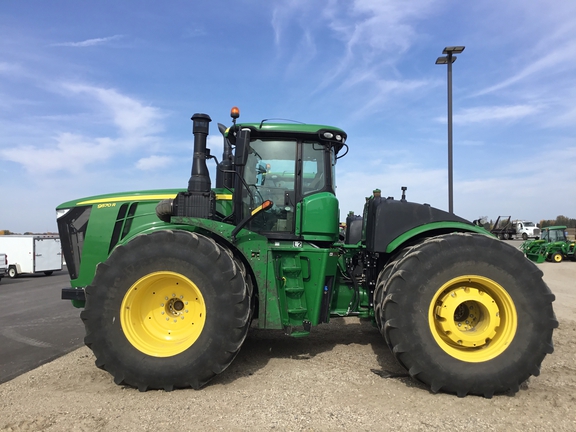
{"x": 557, "y": 258}
{"x": 163, "y": 314}
{"x": 473, "y": 318}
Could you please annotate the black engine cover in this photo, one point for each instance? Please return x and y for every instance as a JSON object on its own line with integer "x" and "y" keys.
{"x": 387, "y": 219}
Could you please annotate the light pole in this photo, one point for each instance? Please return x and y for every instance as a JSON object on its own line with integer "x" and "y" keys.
{"x": 449, "y": 59}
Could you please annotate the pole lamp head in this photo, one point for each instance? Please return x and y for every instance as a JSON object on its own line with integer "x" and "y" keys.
{"x": 453, "y": 50}
{"x": 444, "y": 60}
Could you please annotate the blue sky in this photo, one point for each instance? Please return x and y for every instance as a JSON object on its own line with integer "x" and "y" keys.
{"x": 96, "y": 97}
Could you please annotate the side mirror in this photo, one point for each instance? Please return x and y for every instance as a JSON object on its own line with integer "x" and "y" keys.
{"x": 242, "y": 144}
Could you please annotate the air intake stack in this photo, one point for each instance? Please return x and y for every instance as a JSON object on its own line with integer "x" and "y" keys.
{"x": 199, "y": 200}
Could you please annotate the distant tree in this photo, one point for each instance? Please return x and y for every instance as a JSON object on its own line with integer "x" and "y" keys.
{"x": 560, "y": 220}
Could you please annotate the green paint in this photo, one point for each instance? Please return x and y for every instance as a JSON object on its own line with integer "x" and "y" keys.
{"x": 318, "y": 217}
{"x": 431, "y": 229}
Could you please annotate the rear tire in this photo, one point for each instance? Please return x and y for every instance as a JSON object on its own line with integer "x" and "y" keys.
{"x": 468, "y": 281}
{"x": 167, "y": 310}
{"x": 12, "y": 273}
{"x": 380, "y": 290}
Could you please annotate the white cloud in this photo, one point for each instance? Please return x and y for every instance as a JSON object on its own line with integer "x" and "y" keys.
{"x": 372, "y": 29}
{"x": 372, "y": 34}
{"x": 153, "y": 162}
{"x": 10, "y": 68}
{"x": 491, "y": 113}
{"x": 88, "y": 42}
{"x": 135, "y": 124}
{"x": 544, "y": 61}
{"x": 380, "y": 91}
{"x": 132, "y": 118}
{"x": 71, "y": 153}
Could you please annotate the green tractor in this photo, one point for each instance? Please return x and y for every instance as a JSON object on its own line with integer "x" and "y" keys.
{"x": 172, "y": 280}
{"x": 552, "y": 246}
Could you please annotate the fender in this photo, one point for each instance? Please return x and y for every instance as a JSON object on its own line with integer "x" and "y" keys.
{"x": 390, "y": 223}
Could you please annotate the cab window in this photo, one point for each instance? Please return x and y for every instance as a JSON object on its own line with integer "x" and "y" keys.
{"x": 270, "y": 174}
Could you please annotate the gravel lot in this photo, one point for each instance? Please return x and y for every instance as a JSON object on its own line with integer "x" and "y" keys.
{"x": 323, "y": 382}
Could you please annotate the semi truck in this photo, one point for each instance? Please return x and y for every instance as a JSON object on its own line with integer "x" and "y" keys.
{"x": 525, "y": 229}
{"x": 29, "y": 254}
{"x": 507, "y": 229}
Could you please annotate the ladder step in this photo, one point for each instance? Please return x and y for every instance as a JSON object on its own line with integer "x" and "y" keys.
{"x": 300, "y": 333}
{"x": 296, "y": 290}
{"x": 292, "y": 270}
{"x": 297, "y": 311}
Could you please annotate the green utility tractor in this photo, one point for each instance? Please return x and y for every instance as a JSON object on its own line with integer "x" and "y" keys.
{"x": 552, "y": 246}
{"x": 172, "y": 280}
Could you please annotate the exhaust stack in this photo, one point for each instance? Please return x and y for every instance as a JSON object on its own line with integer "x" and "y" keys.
{"x": 199, "y": 200}
{"x": 200, "y": 177}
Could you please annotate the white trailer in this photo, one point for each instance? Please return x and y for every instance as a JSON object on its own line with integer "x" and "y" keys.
{"x": 32, "y": 254}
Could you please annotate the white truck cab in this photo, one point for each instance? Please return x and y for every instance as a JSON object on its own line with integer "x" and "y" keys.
{"x": 526, "y": 229}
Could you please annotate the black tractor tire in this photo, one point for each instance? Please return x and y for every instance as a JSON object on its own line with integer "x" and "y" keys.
{"x": 12, "y": 272}
{"x": 506, "y": 236}
{"x": 466, "y": 314}
{"x": 524, "y": 236}
{"x": 380, "y": 290}
{"x": 167, "y": 310}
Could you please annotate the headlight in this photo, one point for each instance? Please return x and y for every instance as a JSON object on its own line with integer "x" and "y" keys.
{"x": 60, "y": 213}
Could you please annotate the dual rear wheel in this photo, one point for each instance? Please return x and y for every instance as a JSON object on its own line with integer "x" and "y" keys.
{"x": 466, "y": 314}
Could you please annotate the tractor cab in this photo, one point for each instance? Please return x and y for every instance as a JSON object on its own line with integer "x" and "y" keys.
{"x": 554, "y": 234}
{"x": 293, "y": 166}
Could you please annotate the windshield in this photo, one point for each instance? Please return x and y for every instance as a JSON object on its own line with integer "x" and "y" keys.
{"x": 529, "y": 224}
{"x": 554, "y": 235}
{"x": 271, "y": 172}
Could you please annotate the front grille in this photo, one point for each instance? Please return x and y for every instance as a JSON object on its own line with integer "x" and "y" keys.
{"x": 72, "y": 229}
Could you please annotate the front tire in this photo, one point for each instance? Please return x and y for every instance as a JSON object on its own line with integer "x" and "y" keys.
{"x": 167, "y": 310}
{"x": 557, "y": 257}
{"x": 465, "y": 314}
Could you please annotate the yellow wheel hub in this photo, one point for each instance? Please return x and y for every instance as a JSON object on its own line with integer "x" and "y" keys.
{"x": 163, "y": 314}
{"x": 473, "y": 318}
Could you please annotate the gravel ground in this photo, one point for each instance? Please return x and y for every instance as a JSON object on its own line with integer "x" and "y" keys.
{"x": 320, "y": 383}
